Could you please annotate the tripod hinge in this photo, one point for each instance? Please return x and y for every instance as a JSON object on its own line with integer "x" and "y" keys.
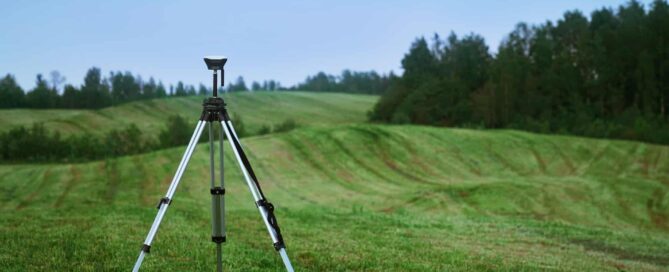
{"x": 164, "y": 200}
{"x": 146, "y": 248}
{"x": 217, "y": 190}
{"x": 214, "y": 116}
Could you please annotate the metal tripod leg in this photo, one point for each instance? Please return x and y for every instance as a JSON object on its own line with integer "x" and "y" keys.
{"x": 165, "y": 201}
{"x": 222, "y": 201}
{"x": 217, "y": 200}
{"x": 256, "y": 192}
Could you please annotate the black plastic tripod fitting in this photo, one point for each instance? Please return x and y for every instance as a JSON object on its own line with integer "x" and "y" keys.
{"x": 213, "y": 109}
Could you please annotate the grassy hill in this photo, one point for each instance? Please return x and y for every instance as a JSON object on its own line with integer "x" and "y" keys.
{"x": 357, "y": 197}
{"x": 257, "y": 109}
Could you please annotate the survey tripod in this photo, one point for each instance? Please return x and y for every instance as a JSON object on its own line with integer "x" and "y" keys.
{"x": 214, "y": 112}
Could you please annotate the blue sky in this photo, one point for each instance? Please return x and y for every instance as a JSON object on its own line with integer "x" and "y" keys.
{"x": 283, "y": 40}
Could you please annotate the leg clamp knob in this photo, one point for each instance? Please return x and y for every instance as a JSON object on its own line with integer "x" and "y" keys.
{"x": 164, "y": 200}
{"x": 217, "y": 191}
{"x": 146, "y": 248}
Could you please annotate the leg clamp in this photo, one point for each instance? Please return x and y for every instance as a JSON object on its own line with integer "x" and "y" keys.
{"x": 218, "y": 239}
{"x": 279, "y": 245}
{"x": 269, "y": 208}
{"x": 217, "y": 190}
{"x": 164, "y": 200}
{"x": 146, "y": 248}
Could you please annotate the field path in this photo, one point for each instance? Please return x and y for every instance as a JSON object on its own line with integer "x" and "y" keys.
{"x": 37, "y": 190}
{"x": 75, "y": 176}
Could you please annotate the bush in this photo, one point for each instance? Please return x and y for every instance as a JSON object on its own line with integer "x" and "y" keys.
{"x": 238, "y": 123}
{"x": 37, "y": 144}
{"x": 264, "y": 129}
{"x": 127, "y": 141}
{"x": 177, "y": 132}
{"x": 287, "y": 125}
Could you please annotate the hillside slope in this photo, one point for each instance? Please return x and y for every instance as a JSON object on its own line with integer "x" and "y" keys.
{"x": 256, "y": 109}
{"x": 358, "y": 197}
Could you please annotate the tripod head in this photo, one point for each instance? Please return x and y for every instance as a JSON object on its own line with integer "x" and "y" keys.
{"x": 216, "y": 63}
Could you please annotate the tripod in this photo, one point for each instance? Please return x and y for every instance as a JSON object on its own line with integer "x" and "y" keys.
{"x": 214, "y": 111}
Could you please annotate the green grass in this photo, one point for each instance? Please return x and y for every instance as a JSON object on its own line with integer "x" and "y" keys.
{"x": 356, "y": 197}
{"x": 257, "y": 109}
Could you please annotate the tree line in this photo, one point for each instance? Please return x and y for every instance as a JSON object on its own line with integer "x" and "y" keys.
{"x": 38, "y": 144}
{"x": 98, "y": 91}
{"x": 602, "y": 76}
{"x": 348, "y": 82}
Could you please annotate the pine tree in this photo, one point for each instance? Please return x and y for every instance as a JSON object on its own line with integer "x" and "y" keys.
{"x": 11, "y": 94}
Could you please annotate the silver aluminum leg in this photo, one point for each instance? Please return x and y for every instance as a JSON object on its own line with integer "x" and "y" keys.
{"x": 230, "y": 134}
{"x": 162, "y": 208}
{"x": 221, "y": 203}
{"x": 221, "y": 135}
{"x": 217, "y": 193}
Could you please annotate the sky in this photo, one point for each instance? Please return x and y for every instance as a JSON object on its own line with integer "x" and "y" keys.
{"x": 282, "y": 40}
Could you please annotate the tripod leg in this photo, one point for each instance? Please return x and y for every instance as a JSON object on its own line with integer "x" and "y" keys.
{"x": 217, "y": 193}
{"x": 165, "y": 201}
{"x": 222, "y": 200}
{"x": 265, "y": 208}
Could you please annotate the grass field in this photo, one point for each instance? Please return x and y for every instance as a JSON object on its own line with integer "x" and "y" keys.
{"x": 355, "y": 197}
{"x": 256, "y": 109}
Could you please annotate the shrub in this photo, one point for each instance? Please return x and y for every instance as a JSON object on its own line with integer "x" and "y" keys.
{"x": 287, "y": 125}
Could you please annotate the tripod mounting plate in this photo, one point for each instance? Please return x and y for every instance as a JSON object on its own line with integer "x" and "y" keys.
{"x": 215, "y": 62}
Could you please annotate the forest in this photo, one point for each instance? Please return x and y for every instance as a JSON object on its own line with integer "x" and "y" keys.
{"x": 602, "y": 76}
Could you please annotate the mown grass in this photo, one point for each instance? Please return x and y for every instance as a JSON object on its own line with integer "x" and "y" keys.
{"x": 357, "y": 197}
{"x": 257, "y": 109}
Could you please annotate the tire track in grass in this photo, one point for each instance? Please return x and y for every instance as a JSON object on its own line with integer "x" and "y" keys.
{"x": 415, "y": 158}
{"x": 620, "y": 252}
{"x": 360, "y": 163}
{"x": 410, "y": 202}
{"x": 348, "y": 153}
{"x": 503, "y": 160}
{"x": 148, "y": 180}
{"x": 541, "y": 163}
{"x": 598, "y": 156}
{"x": 623, "y": 164}
{"x": 110, "y": 167}
{"x": 75, "y": 176}
{"x": 649, "y": 161}
{"x": 567, "y": 161}
{"x": 386, "y": 157}
{"x": 444, "y": 195}
{"x": 658, "y": 211}
{"x": 275, "y": 181}
{"x": 661, "y": 157}
{"x": 302, "y": 151}
{"x": 388, "y": 161}
{"x": 621, "y": 199}
{"x": 9, "y": 193}
{"x": 471, "y": 167}
{"x": 45, "y": 180}
{"x": 540, "y": 160}
{"x": 72, "y": 122}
